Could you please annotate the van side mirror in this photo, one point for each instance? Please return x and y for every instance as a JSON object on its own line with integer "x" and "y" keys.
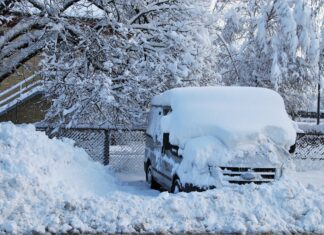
{"x": 292, "y": 148}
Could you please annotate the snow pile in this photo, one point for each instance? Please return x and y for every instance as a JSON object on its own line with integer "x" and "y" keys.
{"x": 285, "y": 206}
{"x": 54, "y": 165}
{"x": 35, "y": 171}
{"x": 49, "y": 185}
{"x": 232, "y": 114}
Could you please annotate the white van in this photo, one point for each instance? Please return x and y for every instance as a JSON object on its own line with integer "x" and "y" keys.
{"x": 205, "y": 137}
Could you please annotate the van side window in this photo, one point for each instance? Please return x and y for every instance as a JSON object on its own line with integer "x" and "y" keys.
{"x": 166, "y": 110}
{"x": 168, "y": 146}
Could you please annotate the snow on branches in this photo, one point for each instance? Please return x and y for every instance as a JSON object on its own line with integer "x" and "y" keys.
{"x": 103, "y": 60}
{"x": 105, "y": 71}
{"x": 273, "y": 44}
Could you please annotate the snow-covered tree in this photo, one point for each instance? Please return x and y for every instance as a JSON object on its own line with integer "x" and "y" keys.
{"x": 109, "y": 74}
{"x": 102, "y": 61}
{"x": 272, "y": 44}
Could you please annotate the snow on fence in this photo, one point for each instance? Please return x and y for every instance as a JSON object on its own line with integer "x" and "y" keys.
{"x": 124, "y": 149}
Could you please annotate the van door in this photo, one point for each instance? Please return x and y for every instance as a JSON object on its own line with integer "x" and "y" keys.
{"x": 170, "y": 158}
{"x": 154, "y": 145}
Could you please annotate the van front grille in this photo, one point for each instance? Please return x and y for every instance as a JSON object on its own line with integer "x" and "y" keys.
{"x": 244, "y": 175}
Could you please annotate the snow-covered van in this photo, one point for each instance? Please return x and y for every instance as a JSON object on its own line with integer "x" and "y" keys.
{"x": 206, "y": 137}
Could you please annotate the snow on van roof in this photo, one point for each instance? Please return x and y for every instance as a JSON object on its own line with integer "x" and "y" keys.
{"x": 232, "y": 114}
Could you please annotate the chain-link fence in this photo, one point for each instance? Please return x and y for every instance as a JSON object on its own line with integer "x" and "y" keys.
{"x": 124, "y": 149}
{"x": 310, "y": 146}
{"x": 94, "y": 141}
{"x": 309, "y": 153}
{"x": 121, "y": 149}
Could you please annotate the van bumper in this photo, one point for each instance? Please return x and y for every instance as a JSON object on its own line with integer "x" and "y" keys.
{"x": 190, "y": 188}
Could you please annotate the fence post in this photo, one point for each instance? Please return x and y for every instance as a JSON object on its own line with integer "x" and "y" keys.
{"x": 106, "y": 147}
{"x": 319, "y": 104}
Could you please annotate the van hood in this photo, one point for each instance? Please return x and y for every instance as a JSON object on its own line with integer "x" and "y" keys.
{"x": 203, "y": 152}
{"x": 209, "y": 150}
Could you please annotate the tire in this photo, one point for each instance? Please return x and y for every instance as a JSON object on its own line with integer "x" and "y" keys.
{"x": 150, "y": 179}
{"x": 176, "y": 186}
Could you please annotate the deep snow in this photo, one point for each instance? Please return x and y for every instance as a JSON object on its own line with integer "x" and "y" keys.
{"x": 51, "y": 185}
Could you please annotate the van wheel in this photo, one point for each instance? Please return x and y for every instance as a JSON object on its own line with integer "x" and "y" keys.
{"x": 150, "y": 179}
{"x": 176, "y": 186}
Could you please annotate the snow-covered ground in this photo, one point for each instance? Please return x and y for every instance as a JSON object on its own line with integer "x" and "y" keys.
{"x": 49, "y": 185}
{"x": 311, "y": 177}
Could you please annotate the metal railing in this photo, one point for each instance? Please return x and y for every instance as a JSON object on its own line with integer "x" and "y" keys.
{"x": 19, "y": 92}
{"x": 311, "y": 115}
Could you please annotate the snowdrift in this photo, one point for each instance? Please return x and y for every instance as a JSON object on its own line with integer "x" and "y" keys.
{"x": 36, "y": 172}
{"x": 54, "y": 165}
{"x": 50, "y": 185}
